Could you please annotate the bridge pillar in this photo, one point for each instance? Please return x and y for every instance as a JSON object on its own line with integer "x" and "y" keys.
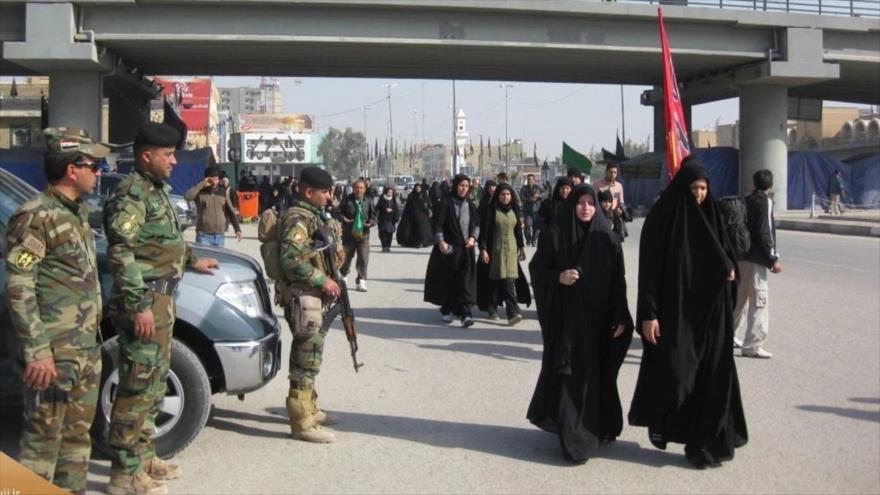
{"x": 763, "y": 112}
{"x": 75, "y": 100}
{"x": 660, "y": 124}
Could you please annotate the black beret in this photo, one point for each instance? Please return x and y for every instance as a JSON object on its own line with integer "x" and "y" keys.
{"x": 156, "y": 134}
{"x": 316, "y": 177}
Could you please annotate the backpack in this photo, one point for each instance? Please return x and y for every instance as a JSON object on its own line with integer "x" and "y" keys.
{"x": 734, "y": 214}
{"x": 269, "y": 234}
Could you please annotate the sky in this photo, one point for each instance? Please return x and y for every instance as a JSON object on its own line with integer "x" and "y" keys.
{"x": 546, "y": 114}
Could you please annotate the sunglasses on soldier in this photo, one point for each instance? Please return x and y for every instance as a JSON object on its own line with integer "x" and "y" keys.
{"x": 91, "y": 165}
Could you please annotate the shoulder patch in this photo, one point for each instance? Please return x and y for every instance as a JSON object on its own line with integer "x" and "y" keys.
{"x": 300, "y": 233}
{"x": 25, "y": 260}
{"x": 35, "y": 246}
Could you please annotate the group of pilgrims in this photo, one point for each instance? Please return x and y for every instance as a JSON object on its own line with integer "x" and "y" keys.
{"x": 687, "y": 390}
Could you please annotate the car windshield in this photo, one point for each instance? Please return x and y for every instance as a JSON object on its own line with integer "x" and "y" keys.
{"x": 13, "y": 193}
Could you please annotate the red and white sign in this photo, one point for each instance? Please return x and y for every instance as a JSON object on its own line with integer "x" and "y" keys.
{"x": 678, "y": 145}
{"x": 193, "y": 99}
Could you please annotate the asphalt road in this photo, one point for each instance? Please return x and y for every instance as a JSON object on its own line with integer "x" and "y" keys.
{"x": 440, "y": 409}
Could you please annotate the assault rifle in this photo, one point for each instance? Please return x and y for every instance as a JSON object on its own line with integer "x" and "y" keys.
{"x": 326, "y": 245}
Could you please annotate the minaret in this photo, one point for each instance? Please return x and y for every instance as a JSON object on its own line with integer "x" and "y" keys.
{"x": 462, "y": 138}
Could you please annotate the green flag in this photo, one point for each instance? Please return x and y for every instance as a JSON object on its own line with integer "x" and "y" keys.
{"x": 572, "y": 158}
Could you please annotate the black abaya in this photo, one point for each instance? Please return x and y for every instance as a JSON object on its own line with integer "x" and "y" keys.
{"x": 688, "y": 390}
{"x": 576, "y": 395}
{"x": 414, "y": 229}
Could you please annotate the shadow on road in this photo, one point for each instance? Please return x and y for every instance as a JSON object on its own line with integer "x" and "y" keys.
{"x": 525, "y": 444}
{"x": 865, "y": 400}
{"x": 846, "y": 412}
{"x": 229, "y": 420}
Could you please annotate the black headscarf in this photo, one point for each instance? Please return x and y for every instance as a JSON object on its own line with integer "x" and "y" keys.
{"x": 496, "y": 203}
{"x": 562, "y": 181}
{"x": 574, "y": 232}
{"x": 487, "y": 196}
{"x": 458, "y": 179}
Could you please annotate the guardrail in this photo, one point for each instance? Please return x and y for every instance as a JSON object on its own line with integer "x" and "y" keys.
{"x": 851, "y": 8}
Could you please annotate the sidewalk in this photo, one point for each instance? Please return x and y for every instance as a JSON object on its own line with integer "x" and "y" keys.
{"x": 853, "y": 222}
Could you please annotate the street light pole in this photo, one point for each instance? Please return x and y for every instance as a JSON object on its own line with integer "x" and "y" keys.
{"x": 390, "y": 127}
{"x": 454, "y": 135}
{"x": 506, "y": 86}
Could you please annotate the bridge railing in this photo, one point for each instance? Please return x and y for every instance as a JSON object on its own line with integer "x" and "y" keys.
{"x": 852, "y": 8}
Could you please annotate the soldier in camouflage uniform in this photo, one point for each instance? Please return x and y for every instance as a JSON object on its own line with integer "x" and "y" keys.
{"x": 147, "y": 256}
{"x": 54, "y": 298}
{"x": 307, "y": 293}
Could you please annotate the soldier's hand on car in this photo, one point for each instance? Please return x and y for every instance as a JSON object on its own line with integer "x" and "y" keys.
{"x": 331, "y": 288}
{"x": 206, "y": 265}
{"x": 38, "y": 375}
{"x": 144, "y": 325}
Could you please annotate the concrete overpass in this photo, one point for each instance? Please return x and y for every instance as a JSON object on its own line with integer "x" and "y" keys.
{"x": 106, "y": 46}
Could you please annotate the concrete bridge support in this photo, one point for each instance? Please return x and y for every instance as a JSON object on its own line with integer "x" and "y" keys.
{"x": 763, "y": 140}
{"x": 75, "y": 100}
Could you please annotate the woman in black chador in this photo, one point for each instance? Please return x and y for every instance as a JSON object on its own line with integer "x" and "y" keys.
{"x": 549, "y": 207}
{"x": 389, "y": 214}
{"x": 580, "y": 292}
{"x": 414, "y": 229}
{"x": 451, "y": 281}
{"x": 687, "y": 391}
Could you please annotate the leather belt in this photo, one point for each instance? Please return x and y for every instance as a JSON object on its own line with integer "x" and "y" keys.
{"x": 164, "y": 286}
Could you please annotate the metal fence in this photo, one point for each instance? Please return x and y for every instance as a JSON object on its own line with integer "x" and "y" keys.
{"x": 852, "y": 8}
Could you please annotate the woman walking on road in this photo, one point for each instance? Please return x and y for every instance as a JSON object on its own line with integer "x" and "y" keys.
{"x": 414, "y": 229}
{"x": 687, "y": 390}
{"x": 580, "y": 292}
{"x": 500, "y": 279}
{"x": 388, "y": 215}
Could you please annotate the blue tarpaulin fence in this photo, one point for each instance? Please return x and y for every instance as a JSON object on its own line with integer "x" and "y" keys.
{"x": 808, "y": 172}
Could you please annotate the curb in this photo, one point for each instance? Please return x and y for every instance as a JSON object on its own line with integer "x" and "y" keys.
{"x": 829, "y": 228}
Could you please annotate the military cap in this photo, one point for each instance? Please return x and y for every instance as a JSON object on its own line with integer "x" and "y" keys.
{"x": 316, "y": 177}
{"x": 73, "y": 140}
{"x": 156, "y": 134}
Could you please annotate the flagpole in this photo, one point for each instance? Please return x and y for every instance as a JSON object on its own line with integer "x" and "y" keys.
{"x": 454, "y": 144}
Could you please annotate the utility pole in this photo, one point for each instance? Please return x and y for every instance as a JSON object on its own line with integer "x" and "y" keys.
{"x": 390, "y": 128}
{"x": 622, "y": 118}
{"x": 506, "y": 86}
{"x": 366, "y": 144}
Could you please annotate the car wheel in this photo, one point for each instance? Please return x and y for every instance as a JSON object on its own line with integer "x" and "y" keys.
{"x": 184, "y": 411}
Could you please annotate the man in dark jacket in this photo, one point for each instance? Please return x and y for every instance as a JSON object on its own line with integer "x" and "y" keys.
{"x": 357, "y": 214}
{"x": 752, "y": 300}
{"x": 214, "y": 208}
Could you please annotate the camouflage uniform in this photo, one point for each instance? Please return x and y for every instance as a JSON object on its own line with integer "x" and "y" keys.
{"x": 54, "y": 298}
{"x": 304, "y": 303}
{"x": 145, "y": 247}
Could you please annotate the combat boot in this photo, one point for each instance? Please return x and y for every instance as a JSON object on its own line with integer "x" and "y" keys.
{"x": 135, "y": 484}
{"x": 301, "y": 414}
{"x": 321, "y": 416}
{"x": 161, "y": 470}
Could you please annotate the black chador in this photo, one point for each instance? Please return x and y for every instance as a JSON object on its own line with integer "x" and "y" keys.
{"x": 414, "y": 229}
{"x": 450, "y": 280}
{"x": 687, "y": 391}
{"x": 576, "y": 395}
{"x": 551, "y": 206}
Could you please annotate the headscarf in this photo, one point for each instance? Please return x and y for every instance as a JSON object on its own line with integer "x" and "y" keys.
{"x": 562, "y": 181}
{"x": 487, "y": 197}
{"x": 458, "y": 179}
{"x": 496, "y": 203}
{"x": 574, "y": 232}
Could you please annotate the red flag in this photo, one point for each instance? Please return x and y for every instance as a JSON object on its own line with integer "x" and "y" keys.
{"x": 677, "y": 142}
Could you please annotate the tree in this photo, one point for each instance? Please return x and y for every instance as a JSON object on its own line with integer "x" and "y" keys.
{"x": 344, "y": 152}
